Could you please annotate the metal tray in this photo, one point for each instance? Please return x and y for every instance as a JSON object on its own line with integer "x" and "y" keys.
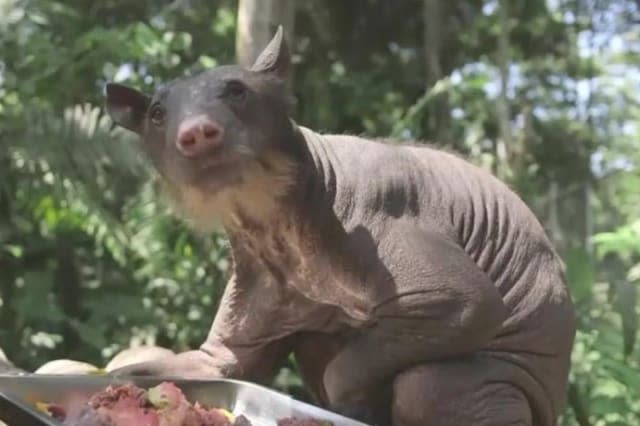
{"x": 261, "y": 405}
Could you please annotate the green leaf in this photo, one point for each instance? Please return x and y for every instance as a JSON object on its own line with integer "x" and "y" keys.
{"x": 34, "y": 303}
{"x": 580, "y": 274}
{"x": 90, "y": 334}
{"x": 624, "y": 241}
{"x": 14, "y": 250}
{"x": 621, "y": 372}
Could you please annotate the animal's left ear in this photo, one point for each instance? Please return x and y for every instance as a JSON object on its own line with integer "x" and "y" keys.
{"x": 275, "y": 58}
{"x": 126, "y": 106}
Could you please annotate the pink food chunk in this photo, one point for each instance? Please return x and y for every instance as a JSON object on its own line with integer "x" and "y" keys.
{"x": 212, "y": 416}
{"x": 162, "y": 405}
{"x": 117, "y": 405}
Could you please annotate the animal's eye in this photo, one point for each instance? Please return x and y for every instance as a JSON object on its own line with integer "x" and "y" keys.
{"x": 235, "y": 89}
{"x": 157, "y": 115}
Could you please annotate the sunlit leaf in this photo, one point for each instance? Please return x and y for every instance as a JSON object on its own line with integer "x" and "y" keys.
{"x": 580, "y": 274}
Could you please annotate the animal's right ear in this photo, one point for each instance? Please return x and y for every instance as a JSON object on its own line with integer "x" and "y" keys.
{"x": 126, "y": 106}
{"x": 275, "y": 57}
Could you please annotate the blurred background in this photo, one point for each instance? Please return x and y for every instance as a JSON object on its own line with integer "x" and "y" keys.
{"x": 544, "y": 94}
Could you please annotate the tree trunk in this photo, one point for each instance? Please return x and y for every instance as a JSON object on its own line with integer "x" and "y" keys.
{"x": 68, "y": 289}
{"x": 257, "y": 23}
{"x": 580, "y": 409}
{"x": 588, "y": 218}
{"x": 432, "y": 40}
{"x": 502, "y": 143}
{"x": 553, "y": 219}
{"x": 437, "y": 113}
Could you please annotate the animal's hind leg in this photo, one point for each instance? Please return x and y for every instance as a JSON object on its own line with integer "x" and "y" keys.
{"x": 474, "y": 392}
{"x": 313, "y": 351}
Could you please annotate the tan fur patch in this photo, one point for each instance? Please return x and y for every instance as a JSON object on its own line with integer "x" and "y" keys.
{"x": 257, "y": 197}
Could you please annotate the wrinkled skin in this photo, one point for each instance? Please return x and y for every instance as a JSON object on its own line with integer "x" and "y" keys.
{"x": 413, "y": 287}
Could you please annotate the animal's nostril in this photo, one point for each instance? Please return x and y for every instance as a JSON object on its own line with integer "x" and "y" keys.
{"x": 210, "y": 131}
{"x": 187, "y": 140}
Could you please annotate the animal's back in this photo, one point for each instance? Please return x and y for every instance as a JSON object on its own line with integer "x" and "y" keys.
{"x": 505, "y": 239}
{"x": 490, "y": 222}
{"x": 444, "y": 192}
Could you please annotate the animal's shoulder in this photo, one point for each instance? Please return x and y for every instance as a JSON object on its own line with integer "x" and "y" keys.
{"x": 388, "y": 148}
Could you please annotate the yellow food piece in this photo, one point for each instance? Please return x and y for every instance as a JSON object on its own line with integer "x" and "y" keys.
{"x": 227, "y": 414}
{"x": 157, "y": 398}
{"x": 43, "y": 406}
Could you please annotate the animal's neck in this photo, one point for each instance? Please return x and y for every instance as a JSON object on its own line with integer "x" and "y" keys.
{"x": 305, "y": 237}
{"x": 298, "y": 189}
{"x": 264, "y": 190}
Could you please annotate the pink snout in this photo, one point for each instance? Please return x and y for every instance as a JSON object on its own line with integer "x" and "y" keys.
{"x": 198, "y": 135}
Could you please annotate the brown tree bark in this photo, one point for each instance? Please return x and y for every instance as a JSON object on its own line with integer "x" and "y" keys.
{"x": 257, "y": 23}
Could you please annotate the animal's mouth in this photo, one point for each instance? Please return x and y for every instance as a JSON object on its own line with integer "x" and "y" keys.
{"x": 215, "y": 171}
{"x": 212, "y": 162}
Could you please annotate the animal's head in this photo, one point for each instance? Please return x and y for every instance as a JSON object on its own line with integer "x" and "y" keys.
{"x": 219, "y": 138}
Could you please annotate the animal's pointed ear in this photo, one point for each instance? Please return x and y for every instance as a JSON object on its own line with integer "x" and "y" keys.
{"x": 275, "y": 58}
{"x": 126, "y": 106}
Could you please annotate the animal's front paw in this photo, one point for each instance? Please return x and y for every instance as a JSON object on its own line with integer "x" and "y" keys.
{"x": 186, "y": 365}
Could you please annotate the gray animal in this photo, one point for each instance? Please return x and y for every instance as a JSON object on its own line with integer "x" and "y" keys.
{"x": 413, "y": 287}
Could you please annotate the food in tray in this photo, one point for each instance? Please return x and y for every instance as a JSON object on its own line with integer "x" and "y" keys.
{"x": 161, "y": 405}
{"x": 293, "y": 421}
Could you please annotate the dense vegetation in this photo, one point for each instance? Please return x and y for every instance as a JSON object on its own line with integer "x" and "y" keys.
{"x": 546, "y": 94}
